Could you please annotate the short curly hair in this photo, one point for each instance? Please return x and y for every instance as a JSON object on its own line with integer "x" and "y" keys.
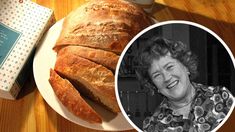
{"x": 157, "y": 47}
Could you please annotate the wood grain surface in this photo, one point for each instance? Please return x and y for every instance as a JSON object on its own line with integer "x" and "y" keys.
{"x": 31, "y": 113}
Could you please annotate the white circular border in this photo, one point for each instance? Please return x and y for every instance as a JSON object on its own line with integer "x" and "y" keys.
{"x": 161, "y": 24}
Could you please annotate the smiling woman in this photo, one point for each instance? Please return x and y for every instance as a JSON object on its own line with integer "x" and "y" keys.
{"x": 176, "y": 76}
{"x": 168, "y": 67}
{"x": 166, "y": 72}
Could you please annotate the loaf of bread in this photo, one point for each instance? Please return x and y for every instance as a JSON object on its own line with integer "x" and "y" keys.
{"x": 92, "y": 38}
{"x": 105, "y": 58}
{"x": 103, "y": 24}
{"x": 92, "y": 80}
{"x": 71, "y": 98}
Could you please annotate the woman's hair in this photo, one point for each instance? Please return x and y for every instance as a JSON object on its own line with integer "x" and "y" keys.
{"x": 157, "y": 47}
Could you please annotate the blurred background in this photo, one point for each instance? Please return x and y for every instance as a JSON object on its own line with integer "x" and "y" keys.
{"x": 215, "y": 68}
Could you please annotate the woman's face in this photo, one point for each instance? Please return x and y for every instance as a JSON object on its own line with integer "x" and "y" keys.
{"x": 171, "y": 77}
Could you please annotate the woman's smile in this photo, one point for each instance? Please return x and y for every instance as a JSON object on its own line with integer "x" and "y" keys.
{"x": 172, "y": 84}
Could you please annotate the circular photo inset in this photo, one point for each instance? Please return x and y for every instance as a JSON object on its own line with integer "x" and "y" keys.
{"x": 176, "y": 76}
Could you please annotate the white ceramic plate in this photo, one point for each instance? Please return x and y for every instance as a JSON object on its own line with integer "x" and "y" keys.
{"x": 45, "y": 59}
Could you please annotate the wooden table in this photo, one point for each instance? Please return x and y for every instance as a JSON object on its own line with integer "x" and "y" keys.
{"x": 31, "y": 113}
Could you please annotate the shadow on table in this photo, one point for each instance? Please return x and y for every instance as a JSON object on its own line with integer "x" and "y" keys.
{"x": 28, "y": 87}
{"x": 222, "y": 28}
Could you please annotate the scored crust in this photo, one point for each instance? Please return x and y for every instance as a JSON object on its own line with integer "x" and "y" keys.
{"x": 71, "y": 98}
{"x": 93, "y": 80}
{"x": 103, "y": 24}
{"x": 105, "y": 58}
{"x": 91, "y": 40}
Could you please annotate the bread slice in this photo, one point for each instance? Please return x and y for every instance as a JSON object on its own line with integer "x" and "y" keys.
{"x": 92, "y": 80}
{"x": 103, "y": 24}
{"x": 105, "y": 58}
{"x": 71, "y": 98}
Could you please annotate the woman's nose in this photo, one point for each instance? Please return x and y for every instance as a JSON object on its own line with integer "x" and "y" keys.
{"x": 167, "y": 76}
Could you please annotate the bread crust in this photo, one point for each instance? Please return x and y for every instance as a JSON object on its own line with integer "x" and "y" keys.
{"x": 105, "y": 58}
{"x": 71, "y": 99}
{"x": 96, "y": 78}
{"x": 103, "y": 24}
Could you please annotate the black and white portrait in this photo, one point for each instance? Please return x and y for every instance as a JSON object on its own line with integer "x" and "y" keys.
{"x": 176, "y": 77}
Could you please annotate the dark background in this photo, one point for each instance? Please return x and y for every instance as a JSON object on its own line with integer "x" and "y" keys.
{"x": 215, "y": 68}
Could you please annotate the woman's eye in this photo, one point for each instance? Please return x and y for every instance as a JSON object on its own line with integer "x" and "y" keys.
{"x": 170, "y": 67}
{"x": 156, "y": 75}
